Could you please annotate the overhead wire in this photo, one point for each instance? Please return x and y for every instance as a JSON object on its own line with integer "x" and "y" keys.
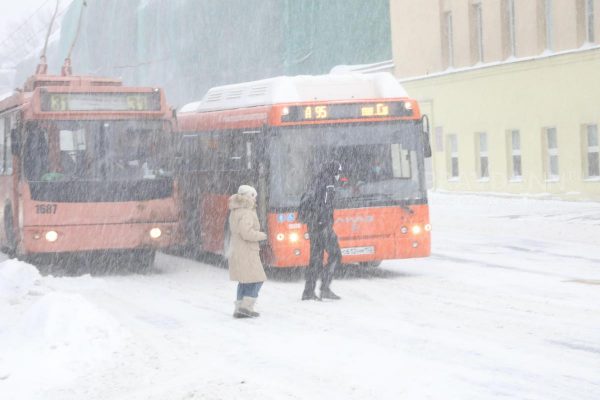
{"x": 10, "y": 35}
{"x": 21, "y": 50}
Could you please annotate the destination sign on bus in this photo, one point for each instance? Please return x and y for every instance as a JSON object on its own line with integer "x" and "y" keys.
{"x": 347, "y": 111}
{"x": 59, "y": 102}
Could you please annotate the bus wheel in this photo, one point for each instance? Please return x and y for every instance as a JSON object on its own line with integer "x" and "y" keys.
{"x": 143, "y": 260}
{"x": 11, "y": 242}
{"x": 370, "y": 264}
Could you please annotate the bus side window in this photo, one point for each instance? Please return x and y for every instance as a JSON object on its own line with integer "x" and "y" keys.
{"x": 249, "y": 156}
{"x": 205, "y": 151}
{"x": 251, "y": 149}
{"x": 35, "y": 154}
{"x": 217, "y": 145}
{"x": 191, "y": 152}
{"x": 237, "y": 150}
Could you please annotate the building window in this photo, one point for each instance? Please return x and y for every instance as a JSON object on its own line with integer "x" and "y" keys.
{"x": 514, "y": 155}
{"x": 476, "y": 33}
{"x": 448, "y": 40}
{"x": 511, "y": 41}
{"x": 592, "y": 158}
{"x": 589, "y": 21}
{"x": 548, "y": 24}
{"x": 551, "y": 154}
{"x": 482, "y": 159}
{"x": 452, "y": 156}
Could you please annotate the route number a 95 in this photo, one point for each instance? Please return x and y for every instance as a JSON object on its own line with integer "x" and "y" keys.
{"x": 45, "y": 208}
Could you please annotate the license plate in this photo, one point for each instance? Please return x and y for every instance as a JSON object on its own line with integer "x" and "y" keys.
{"x": 355, "y": 251}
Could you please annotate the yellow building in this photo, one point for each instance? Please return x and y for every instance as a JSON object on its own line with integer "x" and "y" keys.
{"x": 512, "y": 88}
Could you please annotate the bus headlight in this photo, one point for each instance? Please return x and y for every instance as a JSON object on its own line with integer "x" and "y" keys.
{"x": 404, "y": 230}
{"x": 428, "y": 227}
{"x": 51, "y": 236}
{"x": 416, "y": 230}
{"x": 280, "y": 237}
{"x": 155, "y": 233}
{"x": 293, "y": 237}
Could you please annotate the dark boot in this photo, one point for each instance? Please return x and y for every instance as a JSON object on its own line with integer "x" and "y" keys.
{"x": 328, "y": 294}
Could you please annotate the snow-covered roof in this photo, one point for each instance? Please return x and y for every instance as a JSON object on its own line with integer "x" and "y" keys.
{"x": 382, "y": 66}
{"x": 301, "y": 88}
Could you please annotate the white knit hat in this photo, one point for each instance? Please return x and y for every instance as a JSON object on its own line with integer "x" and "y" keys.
{"x": 247, "y": 190}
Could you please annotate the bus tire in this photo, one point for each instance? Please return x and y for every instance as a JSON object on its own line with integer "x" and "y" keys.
{"x": 11, "y": 241}
{"x": 143, "y": 260}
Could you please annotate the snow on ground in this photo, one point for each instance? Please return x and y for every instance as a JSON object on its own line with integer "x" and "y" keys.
{"x": 507, "y": 307}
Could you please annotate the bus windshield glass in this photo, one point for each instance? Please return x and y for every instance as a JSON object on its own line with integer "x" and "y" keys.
{"x": 382, "y": 164}
{"x": 93, "y": 160}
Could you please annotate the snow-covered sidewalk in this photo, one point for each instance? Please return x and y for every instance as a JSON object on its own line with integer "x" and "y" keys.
{"x": 508, "y": 306}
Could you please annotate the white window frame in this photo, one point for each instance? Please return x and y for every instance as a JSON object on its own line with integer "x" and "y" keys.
{"x": 551, "y": 152}
{"x": 512, "y": 153}
{"x": 482, "y": 150}
{"x": 453, "y": 154}
{"x": 477, "y": 9}
{"x": 589, "y": 21}
{"x": 512, "y": 37}
{"x": 591, "y": 149}
{"x": 549, "y": 25}
{"x": 450, "y": 38}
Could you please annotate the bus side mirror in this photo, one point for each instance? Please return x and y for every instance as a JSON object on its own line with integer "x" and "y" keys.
{"x": 425, "y": 131}
{"x": 15, "y": 142}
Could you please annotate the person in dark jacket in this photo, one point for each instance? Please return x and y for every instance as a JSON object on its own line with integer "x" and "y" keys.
{"x": 321, "y": 234}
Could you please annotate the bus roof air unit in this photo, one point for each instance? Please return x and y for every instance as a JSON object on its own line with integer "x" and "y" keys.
{"x": 296, "y": 89}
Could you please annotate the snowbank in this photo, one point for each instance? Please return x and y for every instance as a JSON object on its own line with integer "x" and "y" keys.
{"x": 48, "y": 336}
{"x": 17, "y": 279}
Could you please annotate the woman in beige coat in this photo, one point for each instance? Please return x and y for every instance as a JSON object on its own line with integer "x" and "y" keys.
{"x": 244, "y": 258}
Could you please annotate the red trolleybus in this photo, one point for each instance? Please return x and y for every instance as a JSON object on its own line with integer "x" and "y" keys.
{"x": 85, "y": 167}
{"x": 275, "y": 133}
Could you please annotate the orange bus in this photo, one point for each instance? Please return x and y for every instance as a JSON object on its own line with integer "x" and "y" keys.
{"x": 274, "y": 133}
{"x": 85, "y": 168}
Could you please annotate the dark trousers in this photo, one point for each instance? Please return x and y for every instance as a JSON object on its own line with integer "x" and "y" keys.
{"x": 322, "y": 240}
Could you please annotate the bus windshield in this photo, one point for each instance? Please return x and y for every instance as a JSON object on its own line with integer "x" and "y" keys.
{"x": 381, "y": 164}
{"x": 79, "y": 161}
{"x": 95, "y": 150}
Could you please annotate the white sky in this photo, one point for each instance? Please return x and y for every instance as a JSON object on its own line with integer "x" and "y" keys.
{"x": 16, "y": 12}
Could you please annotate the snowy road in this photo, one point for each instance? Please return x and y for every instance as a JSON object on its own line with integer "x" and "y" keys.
{"x": 508, "y": 306}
